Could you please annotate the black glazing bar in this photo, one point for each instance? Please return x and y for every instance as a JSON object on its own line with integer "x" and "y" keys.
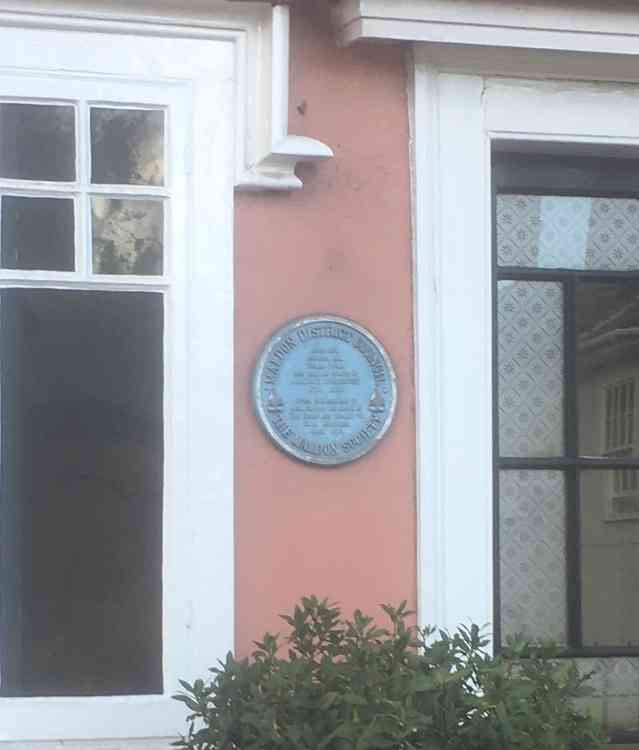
{"x": 599, "y": 652}
{"x": 571, "y": 193}
{"x": 571, "y": 417}
{"x": 522, "y": 273}
{"x": 573, "y": 559}
{"x": 619, "y": 737}
{"x": 495, "y": 389}
{"x": 558, "y": 464}
{"x": 571, "y": 430}
{"x": 576, "y": 175}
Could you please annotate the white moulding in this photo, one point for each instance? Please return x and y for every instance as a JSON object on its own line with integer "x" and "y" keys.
{"x": 269, "y": 161}
{"x": 544, "y": 38}
{"x": 566, "y": 25}
{"x": 266, "y": 155}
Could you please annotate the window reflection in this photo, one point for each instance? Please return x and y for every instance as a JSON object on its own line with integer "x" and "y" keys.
{"x": 609, "y": 560}
{"x": 81, "y": 482}
{"x": 128, "y": 236}
{"x": 607, "y": 321}
{"x": 580, "y": 233}
{"x": 127, "y": 146}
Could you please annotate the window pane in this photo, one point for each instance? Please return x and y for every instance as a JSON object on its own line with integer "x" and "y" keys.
{"x": 81, "y": 513}
{"x": 128, "y": 236}
{"x": 37, "y": 142}
{"x": 607, "y": 320}
{"x": 609, "y": 558}
{"x": 553, "y": 231}
{"x": 532, "y": 549}
{"x": 622, "y": 696}
{"x": 127, "y": 146}
{"x": 530, "y": 361}
{"x": 37, "y": 233}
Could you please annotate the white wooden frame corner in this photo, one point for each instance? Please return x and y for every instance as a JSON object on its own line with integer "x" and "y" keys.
{"x": 195, "y": 82}
{"x": 266, "y": 154}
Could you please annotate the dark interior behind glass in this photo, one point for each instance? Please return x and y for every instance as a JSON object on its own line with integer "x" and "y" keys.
{"x": 82, "y": 479}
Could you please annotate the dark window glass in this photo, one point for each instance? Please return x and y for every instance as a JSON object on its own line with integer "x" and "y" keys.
{"x": 81, "y": 492}
{"x": 127, "y": 146}
{"x": 607, "y": 322}
{"x": 37, "y": 233}
{"x": 610, "y": 558}
{"x": 37, "y": 142}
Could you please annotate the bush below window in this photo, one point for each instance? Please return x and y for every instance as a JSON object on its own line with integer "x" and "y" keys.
{"x": 352, "y": 685}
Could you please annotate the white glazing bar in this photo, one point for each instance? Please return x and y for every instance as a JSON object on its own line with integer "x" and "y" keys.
{"x": 48, "y": 280}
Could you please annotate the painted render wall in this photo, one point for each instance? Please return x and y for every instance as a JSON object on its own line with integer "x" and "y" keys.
{"x": 341, "y": 245}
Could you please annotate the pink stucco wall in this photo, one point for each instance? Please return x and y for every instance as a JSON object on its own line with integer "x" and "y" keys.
{"x": 341, "y": 245}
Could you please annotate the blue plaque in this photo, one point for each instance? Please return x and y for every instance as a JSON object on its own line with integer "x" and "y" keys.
{"x": 325, "y": 390}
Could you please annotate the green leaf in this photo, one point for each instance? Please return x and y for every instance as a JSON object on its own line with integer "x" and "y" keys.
{"x": 352, "y": 685}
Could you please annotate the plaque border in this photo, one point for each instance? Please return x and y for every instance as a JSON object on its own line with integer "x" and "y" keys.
{"x": 273, "y": 340}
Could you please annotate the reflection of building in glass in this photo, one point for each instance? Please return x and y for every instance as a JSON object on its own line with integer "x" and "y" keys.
{"x": 608, "y": 369}
{"x": 619, "y": 443}
{"x": 567, "y": 375}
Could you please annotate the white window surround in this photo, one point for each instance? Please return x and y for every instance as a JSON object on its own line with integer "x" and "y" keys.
{"x": 549, "y": 24}
{"x": 460, "y": 109}
{"x": 457, "y": 119}
{"x": 191, "y": 72}
{"x": 554, "y": 38}
{"x": 266, "y": 155}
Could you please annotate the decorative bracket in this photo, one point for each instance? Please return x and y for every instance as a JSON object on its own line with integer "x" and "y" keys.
{"x": 270, "y": 154}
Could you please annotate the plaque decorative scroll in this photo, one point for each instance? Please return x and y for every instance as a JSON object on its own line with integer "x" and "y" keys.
{"x": 325, "y": 390}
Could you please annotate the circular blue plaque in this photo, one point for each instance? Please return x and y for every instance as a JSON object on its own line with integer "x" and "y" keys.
{"x": 325, "y": 390}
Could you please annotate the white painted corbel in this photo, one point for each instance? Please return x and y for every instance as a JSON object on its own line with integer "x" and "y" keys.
{"x": 270, "y": 153}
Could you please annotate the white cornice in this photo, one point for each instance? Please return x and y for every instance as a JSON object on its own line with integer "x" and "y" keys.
{"x": 569, "y": 38}
{"x": 266, "y": 153}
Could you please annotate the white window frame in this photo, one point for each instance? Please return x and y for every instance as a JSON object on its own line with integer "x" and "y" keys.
{"x": 197, "y": 284}
{"x": 238, "y": 91}
{"x": 457, "y": 118}
{"x": 198, "y": 601}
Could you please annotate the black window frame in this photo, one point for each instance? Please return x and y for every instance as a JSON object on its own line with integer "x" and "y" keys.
{"x": 571, "y": 176}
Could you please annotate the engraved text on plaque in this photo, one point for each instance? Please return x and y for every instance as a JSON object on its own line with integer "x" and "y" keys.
{"x": 325, "y": 390}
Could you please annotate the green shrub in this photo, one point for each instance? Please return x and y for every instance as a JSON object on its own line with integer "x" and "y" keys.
{"x": 351, "y": 685}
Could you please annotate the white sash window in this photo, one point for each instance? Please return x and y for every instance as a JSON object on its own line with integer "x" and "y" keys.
{"x": 116, "y": 366}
